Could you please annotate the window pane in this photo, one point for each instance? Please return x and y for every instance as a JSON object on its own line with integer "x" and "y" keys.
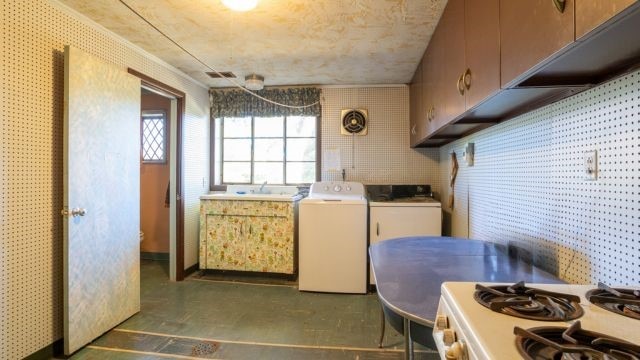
{"x": 153, "y": 137}
{"x": 271, "y": 172}
{"x": 268, "y": 150}
{"x": 301, "y": 149}
{"x": 301, "y": 126}
{"x": 301, "y": 173}
{"x": 236, "y": 172}
{"x": 237, "y": 149}
{"x": 268, "y": 127}
{"x": 237, "y": 127}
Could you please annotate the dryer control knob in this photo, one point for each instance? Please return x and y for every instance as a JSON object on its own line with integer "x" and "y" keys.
{"x": 448, "y": 337}
{"x": 326, "y": 188}
{"x": 348, "y": 188}
{"x": 337, "y": 188}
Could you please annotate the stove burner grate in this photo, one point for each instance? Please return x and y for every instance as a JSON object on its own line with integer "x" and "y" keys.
{"x": 529, "y": 303}
{"x": 620, "y": 301}
{"x": 552, "y": 343}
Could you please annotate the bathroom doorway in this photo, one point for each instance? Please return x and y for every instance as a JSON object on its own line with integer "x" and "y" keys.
{"x": 161, "y": 207}
{"x": 157, "y": 113}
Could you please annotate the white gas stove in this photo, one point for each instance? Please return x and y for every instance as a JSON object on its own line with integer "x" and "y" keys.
{"x": 478, "y": 321}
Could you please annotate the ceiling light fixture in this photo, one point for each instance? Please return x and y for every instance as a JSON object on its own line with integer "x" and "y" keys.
{"x": 240, "y": 5}
{"x": 254, "y": 82}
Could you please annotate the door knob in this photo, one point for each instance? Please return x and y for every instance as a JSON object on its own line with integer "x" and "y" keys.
{"x": 75, "y": 212}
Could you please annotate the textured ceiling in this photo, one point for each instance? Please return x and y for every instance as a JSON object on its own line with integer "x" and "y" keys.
{"x": 289, "y": 42}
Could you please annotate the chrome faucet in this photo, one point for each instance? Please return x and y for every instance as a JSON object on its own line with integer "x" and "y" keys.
{"x": 262, "y": 187}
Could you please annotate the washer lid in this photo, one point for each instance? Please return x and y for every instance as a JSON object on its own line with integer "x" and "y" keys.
{"x": 338, "y": 202}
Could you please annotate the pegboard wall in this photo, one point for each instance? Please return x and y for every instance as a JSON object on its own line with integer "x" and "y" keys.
{"x": 31, "y": 128}
{"x": 383, "y": 156}
{"x": 528, "y": 185}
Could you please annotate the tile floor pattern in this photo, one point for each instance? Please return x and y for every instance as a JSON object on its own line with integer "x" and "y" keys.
{"x": 245, "y": 321}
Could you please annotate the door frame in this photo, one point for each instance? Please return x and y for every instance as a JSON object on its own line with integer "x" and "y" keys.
{"x": 180, "y": 96}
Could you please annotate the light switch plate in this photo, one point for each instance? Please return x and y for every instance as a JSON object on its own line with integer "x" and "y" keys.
{"x": 591, "y": 165}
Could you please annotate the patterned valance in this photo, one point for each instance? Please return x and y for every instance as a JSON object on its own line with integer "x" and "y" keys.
{"x": 237, "y": 103}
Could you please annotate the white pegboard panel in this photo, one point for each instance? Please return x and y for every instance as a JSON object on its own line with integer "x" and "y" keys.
{"x": 31, "y": 88}
{"x": 528, "y": 185}
{"x": 383, "y": 156}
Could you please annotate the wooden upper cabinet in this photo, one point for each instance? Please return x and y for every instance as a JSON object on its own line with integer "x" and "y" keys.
{"x": 531, "y": 31}
{"x": 482, "y": 49}
{"x": 592, "y": 13}
{"x": 452, "y": 102}
{"x": 415, "y": 107}
{"x": 434, "y": 78}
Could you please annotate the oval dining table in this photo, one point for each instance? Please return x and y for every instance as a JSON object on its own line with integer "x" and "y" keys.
{"x": 409, "y": 272}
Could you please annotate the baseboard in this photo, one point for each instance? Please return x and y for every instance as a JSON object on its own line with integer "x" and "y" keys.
{"x": 154, "y": 256}
{"x": 53, "y": 350}
{"x": 191, "y": 269}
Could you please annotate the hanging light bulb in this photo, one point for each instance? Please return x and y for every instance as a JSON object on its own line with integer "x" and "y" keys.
{"x": 240, "y": 5}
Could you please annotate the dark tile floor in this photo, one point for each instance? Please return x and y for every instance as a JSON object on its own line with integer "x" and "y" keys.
{"x": 204, "y": 319}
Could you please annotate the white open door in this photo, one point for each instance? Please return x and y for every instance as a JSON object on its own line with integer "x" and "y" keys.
{"x": 101, "y": 197}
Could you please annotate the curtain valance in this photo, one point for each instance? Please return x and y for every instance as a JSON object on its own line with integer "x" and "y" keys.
{"x": 237, "y": 103}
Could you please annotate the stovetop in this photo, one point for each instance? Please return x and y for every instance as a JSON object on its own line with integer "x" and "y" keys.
{"x": 528, "y": 302}
{"x": 573, "y": 342}
{"x": 490, "y": 334}
{"x": 625, "y": 302}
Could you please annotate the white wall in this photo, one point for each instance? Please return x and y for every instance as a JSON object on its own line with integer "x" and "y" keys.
{"x": 31, "y": 89}
{"x": 383, "y": 156}
{"x": 528, "y": 185}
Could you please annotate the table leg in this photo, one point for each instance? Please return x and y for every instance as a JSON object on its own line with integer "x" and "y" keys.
{"x": 408, "y": 343}
{"x": 382, "y": 324}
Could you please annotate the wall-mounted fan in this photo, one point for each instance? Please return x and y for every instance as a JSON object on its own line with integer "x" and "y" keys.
{"x": 354, "y": 122}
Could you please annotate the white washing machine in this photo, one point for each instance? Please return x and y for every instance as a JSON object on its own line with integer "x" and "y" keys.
{"x": 333, "y": 238}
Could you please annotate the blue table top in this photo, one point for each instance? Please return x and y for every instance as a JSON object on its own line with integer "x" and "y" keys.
{"x": 410, "y": 271}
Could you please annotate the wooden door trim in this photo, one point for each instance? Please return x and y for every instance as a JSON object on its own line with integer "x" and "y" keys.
{"x": 181, "y": 111}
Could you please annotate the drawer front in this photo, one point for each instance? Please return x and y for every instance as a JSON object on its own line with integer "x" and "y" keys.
{"x": 246, "y": 208}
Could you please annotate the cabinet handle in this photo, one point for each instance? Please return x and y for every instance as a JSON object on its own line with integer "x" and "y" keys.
{"x": 250, "y": 229}
{"x": 460, "y": 85}
{"x": 560, "y": 5}
{"x": 413, "y": 129}
{"x": 467, "y": 79}
{"x": 432, "y": 113}
{"x": 378, "y": 229}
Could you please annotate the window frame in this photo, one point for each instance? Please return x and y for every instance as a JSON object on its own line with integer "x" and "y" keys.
{"x": 164, "y": 137}
{"x": 252, "y": 160}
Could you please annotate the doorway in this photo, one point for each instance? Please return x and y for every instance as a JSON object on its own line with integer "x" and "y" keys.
{"x": 170, "y": 192}
{"x": 157, "y": 123}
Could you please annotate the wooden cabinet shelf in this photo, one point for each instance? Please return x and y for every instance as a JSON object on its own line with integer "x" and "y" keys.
{"x": 513, "y": 56}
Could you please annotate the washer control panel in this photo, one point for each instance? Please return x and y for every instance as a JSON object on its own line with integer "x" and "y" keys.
{"x": 336, "y": 189}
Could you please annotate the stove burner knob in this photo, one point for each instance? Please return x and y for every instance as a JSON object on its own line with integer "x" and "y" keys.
{"x": 337, "y": 188}
{"x": 457, "y": 351}
{"x": 448, "y": 337}
{"x": 442, "y": 322}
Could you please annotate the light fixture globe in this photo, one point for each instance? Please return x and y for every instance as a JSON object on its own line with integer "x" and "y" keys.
{"x": 254, "y": 82}
{"x": 240, "y": 5}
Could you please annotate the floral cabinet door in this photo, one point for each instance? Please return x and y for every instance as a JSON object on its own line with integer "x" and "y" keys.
{"x": 225, "y": 248}
{"x": 270, "y": 244}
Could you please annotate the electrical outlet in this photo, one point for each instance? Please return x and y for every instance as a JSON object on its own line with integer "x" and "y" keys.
{"x": 591, "y": 165}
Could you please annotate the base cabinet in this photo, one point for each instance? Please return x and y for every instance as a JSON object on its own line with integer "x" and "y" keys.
{"x": 254, "y": 236}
